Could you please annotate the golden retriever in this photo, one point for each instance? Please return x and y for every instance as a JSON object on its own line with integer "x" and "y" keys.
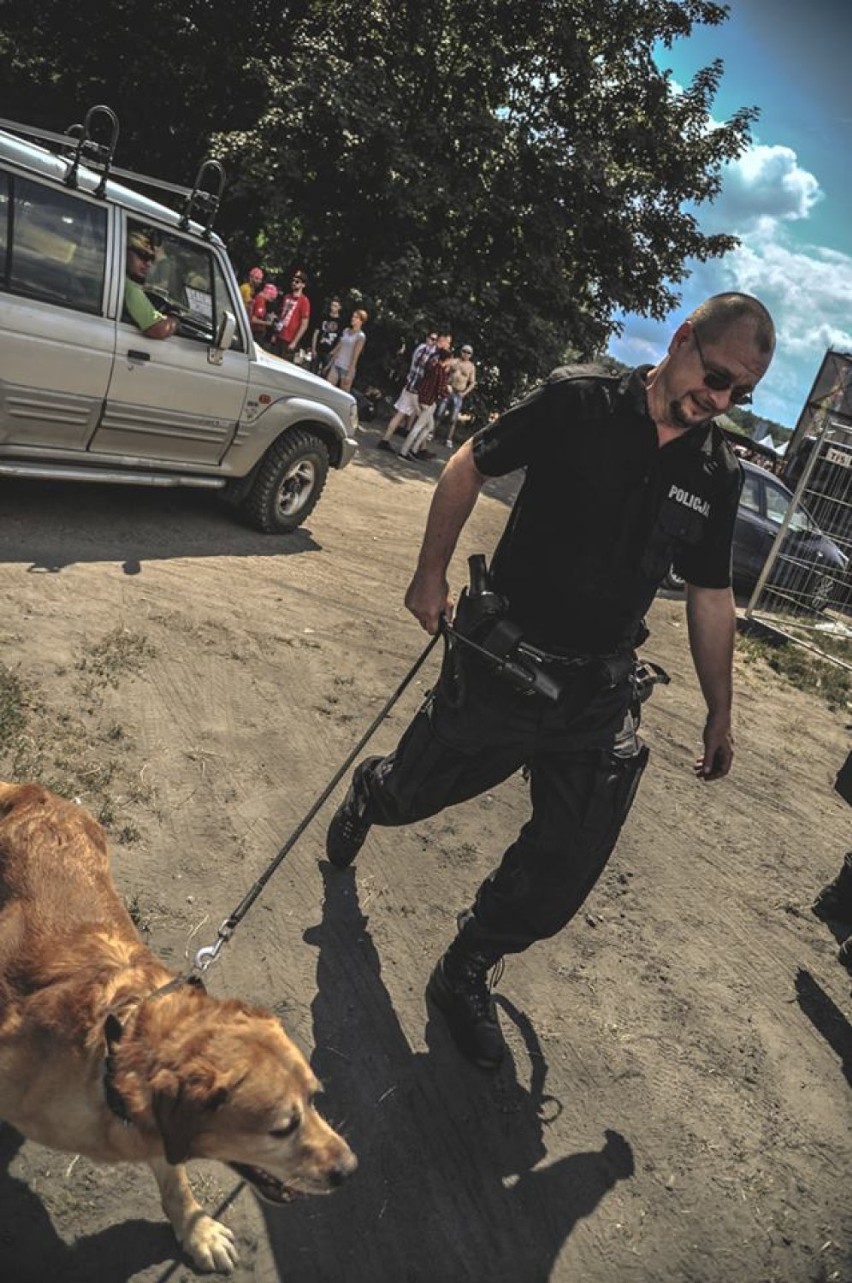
{"x": 104, "y": 1052}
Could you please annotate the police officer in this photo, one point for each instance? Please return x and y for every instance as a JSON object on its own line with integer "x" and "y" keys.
{"x": 625, "y": 476}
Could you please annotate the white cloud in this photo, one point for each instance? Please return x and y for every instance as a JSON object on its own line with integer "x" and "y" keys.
{"x": 807, "y": 287}
{"x": 808, "y": 290}
{"x": 766, "y": 185}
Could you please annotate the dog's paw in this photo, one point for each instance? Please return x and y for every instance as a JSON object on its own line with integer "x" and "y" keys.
{"x": 211, "y": 1245}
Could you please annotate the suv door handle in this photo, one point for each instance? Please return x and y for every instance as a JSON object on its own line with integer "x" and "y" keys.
{"x": 138, "y": 356}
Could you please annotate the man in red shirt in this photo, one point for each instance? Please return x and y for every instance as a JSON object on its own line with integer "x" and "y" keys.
{"x": 293, "y": 317}
{"x": 261, "y": 314}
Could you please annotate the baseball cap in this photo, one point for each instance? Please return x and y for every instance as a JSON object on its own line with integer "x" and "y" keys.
{"x": 141, "y": 242}
{"x": 467, "y": 349}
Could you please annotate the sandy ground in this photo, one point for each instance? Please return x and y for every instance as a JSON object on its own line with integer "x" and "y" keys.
{"x": 676, "y": 1106}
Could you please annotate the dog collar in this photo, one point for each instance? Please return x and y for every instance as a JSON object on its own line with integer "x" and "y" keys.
{"x": 114, "y": 1032}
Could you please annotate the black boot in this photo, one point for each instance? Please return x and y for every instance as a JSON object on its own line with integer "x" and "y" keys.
{"x": 834, "y": 902}
{"x": 459, "y": 989}
{"x": 351, "y": 822}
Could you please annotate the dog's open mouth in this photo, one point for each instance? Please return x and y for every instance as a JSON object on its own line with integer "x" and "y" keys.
{"x": 267, "y": 1186}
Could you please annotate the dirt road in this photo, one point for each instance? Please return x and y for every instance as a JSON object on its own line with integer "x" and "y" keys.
{"x": 677, "y": 1105}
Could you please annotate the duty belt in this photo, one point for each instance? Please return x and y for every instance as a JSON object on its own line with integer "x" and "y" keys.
{"x": 540, "y": 656}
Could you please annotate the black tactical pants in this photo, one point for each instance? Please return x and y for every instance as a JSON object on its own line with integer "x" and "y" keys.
{"x": 584, "y": 759}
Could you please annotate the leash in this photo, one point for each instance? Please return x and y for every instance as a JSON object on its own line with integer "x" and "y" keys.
{"x": 204, "y": 957}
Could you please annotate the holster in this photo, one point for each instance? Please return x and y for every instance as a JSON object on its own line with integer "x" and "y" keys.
{"x": 482, "y": 628}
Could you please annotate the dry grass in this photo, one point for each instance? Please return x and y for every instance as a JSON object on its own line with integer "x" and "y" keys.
{"x": 800, "y": 666}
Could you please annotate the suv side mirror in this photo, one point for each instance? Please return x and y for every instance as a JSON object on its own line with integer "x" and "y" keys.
{"x": 224, "y": 337}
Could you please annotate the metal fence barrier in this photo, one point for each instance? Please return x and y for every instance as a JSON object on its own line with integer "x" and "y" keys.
{"x": 804, "y": 591}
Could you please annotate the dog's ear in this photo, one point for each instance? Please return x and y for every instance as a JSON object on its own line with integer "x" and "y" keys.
{"x": 179, "y": 1106}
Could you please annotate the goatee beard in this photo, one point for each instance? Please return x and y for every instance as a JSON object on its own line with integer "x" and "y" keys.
{"x": 679, "y": 418}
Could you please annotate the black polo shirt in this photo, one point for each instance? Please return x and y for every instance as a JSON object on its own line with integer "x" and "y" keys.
{"x": 604, "y": 510}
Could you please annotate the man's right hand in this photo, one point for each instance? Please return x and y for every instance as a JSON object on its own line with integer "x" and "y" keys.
{"x": 428, "y": 598}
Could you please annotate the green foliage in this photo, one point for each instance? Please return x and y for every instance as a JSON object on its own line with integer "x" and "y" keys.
{"x": 172, "y": 73}
{"x": 523, "y": 171}
{"x": 752, "y": 423}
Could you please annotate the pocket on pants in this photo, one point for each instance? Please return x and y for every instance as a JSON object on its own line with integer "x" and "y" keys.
{"x": 491, "y": 715}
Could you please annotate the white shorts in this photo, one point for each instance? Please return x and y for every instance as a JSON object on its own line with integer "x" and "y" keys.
{"x": 407, "y": 402}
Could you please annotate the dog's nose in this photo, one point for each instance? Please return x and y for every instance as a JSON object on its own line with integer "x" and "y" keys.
{"x": 339, "y": 1173}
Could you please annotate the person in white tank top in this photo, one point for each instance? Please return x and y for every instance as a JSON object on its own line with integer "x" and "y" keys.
{"x": 347, "y": 351}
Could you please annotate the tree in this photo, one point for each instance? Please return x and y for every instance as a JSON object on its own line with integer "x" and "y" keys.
{"x": 172, "y": 73}
{"x": 522, "y": 170}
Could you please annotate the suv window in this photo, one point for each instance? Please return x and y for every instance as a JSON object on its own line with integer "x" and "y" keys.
{"x": 58, "y": 246}
{"x": 185, "y": 279}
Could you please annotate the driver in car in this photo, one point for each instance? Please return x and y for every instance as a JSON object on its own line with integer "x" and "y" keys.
{"x": 140, "y": 255}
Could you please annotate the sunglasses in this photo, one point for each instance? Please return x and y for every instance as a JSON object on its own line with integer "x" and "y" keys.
{"x": 720, "y": 381}
{"x": 299, "y": 280}
{"x": 144, "y": 254}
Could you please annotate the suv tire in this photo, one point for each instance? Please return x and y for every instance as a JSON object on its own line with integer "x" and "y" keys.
{"x": 289, "y": 481}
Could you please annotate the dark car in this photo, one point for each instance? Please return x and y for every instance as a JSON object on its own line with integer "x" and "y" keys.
{"x": 810, "y": 568}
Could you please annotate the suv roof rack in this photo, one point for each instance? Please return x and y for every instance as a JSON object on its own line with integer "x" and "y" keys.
{"x": 78, "y": 146}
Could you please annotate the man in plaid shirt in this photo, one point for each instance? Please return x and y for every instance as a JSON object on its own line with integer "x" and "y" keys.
{"x": 407, "y": 405}
{"x": 431, "y": 389}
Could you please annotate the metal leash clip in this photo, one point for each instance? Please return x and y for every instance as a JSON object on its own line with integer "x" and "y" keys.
{"x": 647, "y": 675}
{"x": 204, "y": 957}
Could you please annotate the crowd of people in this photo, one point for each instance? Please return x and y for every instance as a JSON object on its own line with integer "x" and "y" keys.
{"x": 278, "y": 317}
{"x": 436, "y": 386}
{"x": 752, "y": 454}
{"x": 280, "y": 320}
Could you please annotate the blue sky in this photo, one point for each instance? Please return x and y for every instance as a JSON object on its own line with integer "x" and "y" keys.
{"x": 788, "y": 198}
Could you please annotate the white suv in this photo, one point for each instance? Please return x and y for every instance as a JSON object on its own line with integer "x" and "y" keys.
{"x": 86, "y": 396}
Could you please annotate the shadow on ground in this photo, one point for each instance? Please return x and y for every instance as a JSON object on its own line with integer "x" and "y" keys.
{"x": 827, "y": 1018}
{"x": 453, "y": 1181}
{"x": 31, "y": 1251}
{"x": 48, "y": 526}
